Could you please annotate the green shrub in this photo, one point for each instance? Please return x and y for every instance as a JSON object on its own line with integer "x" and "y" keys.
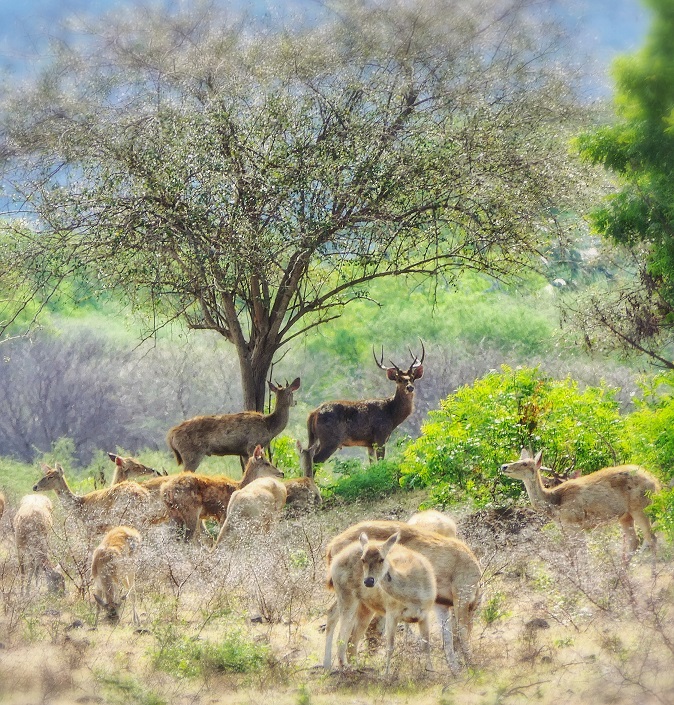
{"x": 477, "y": 429}
{"x": 356, "y": 481}
{"x": 191, "y": 657}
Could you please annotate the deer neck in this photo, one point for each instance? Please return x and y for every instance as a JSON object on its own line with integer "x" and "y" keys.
{"x": 401, "y": 405}
{"x": 540, "y": 497}
{"x": 278, "y": 419}
{"x": 67, "y": 497}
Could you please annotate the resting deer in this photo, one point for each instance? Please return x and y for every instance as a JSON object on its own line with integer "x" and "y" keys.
{"x": 113, "y": 572}
{"x": 254, "y": 508}
{"x": 127, "y": 468}
{"x": 127, "y": 502}
{"x": 302, "y": 492}
{"x": 368, "y": 422}
{"x": 32, "y": 525}
{"x": 380, "y": 577}
{"x": 612, "y": 494}
{"x": 230, "y": 434}
{"x": 191, "y": 497}
{"x": 433, "y": 520}
{"x": 457, "y": 574}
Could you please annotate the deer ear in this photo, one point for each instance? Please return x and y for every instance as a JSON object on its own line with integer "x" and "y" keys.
{"x": 389, "y": 543}
{"x": 45, "y": 468}
{"x": 538, "y": 459}
{"x": 418, "y": 372}
{"x": 59, "y": 469}
{"x": 113, "y": 457}
{"x": 272, "y": 386}
{"x": 119, "y": 461}
{"x": 524, "y": 454}
{"x": 295, "y": 385}
{"x": 363, "y": 539}
{"x": 257, "y": 453}
{"x": 392, "y": 374}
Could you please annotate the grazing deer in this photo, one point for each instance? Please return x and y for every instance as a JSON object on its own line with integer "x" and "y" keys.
{"x": 191, "y": 497}
{"x": 32, "y": 526}
{"x": 255, "y": 508}
{"x": 380, "y": 577}
{"x": 230, "y": 434}
{"x": 433, "y": 520}
{"x": 368, "y": 422}
{"x": 129, "y": 469}
{"x": 113, "y": 572}
{"x": 457, "y": 573}
{"x": 302, "y": 492}
{"x": 127, "y": 502}
{"x": 617, "y": 493}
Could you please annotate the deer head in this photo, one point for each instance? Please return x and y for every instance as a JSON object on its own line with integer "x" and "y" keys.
{"x": 405, "y": 378}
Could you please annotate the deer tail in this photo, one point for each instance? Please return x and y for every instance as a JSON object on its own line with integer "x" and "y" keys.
{"x": 176, "y": 452}
{"x": 311, "y": 428}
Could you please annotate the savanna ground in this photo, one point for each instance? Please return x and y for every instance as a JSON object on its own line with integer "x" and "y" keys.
{"x": 557, "y": 624}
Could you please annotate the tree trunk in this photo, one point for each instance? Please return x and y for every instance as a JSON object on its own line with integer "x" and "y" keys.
{"x": 254, "y": 371}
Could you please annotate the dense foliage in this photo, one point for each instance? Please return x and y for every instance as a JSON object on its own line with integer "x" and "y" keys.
{"x": 481, "y": 426}
{"x": 638, "y": 314}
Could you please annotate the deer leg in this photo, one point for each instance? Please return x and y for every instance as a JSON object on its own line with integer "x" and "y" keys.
{"x": 333, "y": 618}
{"x": 425, "y": 634}
{"x": 325, "y": 451}
{"x": 363, "y": 620}
{"x": 643, "y": 522}
{"x": 443, "y": 616}
{"x": 391, "y": 627}
{"x": 347, "y": 616}
{"x": 630, "y": 538}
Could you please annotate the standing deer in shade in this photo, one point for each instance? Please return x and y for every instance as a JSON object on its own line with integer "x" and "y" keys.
{"x": 367, "y": 422}
{"x": 230, "y": 434}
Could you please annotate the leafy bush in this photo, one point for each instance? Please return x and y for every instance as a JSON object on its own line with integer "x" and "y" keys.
{"x": 463, "y": 445}
{"x": 355, "y": 481}
{"x": 190, "y": 658}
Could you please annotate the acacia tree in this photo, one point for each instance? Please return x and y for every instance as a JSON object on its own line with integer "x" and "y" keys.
{"x": 636, "y": 313}
{"x": 252, "y": 181}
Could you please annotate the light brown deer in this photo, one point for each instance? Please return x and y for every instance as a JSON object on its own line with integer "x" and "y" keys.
{"x": 33, "y": 525}
{"x": 113, "y": 572}
{"x": 617, "y": 493}
{"x": 367, "y": 422}
{"x": 127, "y": 468}
{"x": 255, "y": 508}
{"x": 379, "y": 577}
{"x": 2, "y": 504}
{"x": 302, "y": 492}
{"x": 127, "y": 502}
{"x": 457, "y": 573}
{"x": 191, "y": 497}
{"x": 433, "y": 520}
{"x": 230, "y": 434}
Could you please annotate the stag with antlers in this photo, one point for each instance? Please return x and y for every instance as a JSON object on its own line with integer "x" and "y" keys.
{"x": 367, "y": 422}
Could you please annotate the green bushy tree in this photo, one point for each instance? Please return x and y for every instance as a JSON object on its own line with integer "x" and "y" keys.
{"x": 476, "y": 429}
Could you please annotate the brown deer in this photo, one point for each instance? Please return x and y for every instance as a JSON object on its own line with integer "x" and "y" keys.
{"x": 32, "y": 525}
{"x": 433, "y": 520}
{"x": 617, "y": 493}
{"x": 254, "y": 508}
{"x": 230, "y": 434}
{"x": 380, "y": 577}
{"x": 191, "y": 497}
{"x": 457, "y": 573}
{"x": 302, "y": 492}
{"x": 2, "y": 504}
{"x": 113, "y": 572}
{"x": 127, "y": 502}
{"x": 367, "y": 422}
{"x": 127, "y": 468}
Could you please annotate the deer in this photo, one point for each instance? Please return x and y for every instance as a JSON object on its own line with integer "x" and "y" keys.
{"x": 191, "y": 497}
{"x": 256, "y": 507}
{"x": 127, "y": 468}
{"x": 433, "y": 520}
{"x": 2, "y": 504}
{"x": 367, "y": 422}
{"x": 380, "y": 577}
{"x": 457, "y": 572}
{"x": 619, "y": 493}
{"x": 113, "y": 572}
{"x": 32, "y": 525}
{"x": 302, "y": 492}
{"x": 126, "y": 502}
{"x": 230, "y": 434}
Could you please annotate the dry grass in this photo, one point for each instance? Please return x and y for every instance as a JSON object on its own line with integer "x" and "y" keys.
{"x": 559, "y": 623}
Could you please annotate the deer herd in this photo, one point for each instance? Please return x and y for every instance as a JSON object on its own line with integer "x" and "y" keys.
{"x": 398, "y": 571}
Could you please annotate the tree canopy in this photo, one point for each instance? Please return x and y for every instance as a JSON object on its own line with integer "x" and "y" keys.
{"x": 639, "y": 149}
{"x": 252, "y": 180}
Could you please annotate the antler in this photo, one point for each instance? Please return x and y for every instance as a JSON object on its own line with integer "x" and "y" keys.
{"x": 380, "y": 363}
{"x": 416, "y": 362}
